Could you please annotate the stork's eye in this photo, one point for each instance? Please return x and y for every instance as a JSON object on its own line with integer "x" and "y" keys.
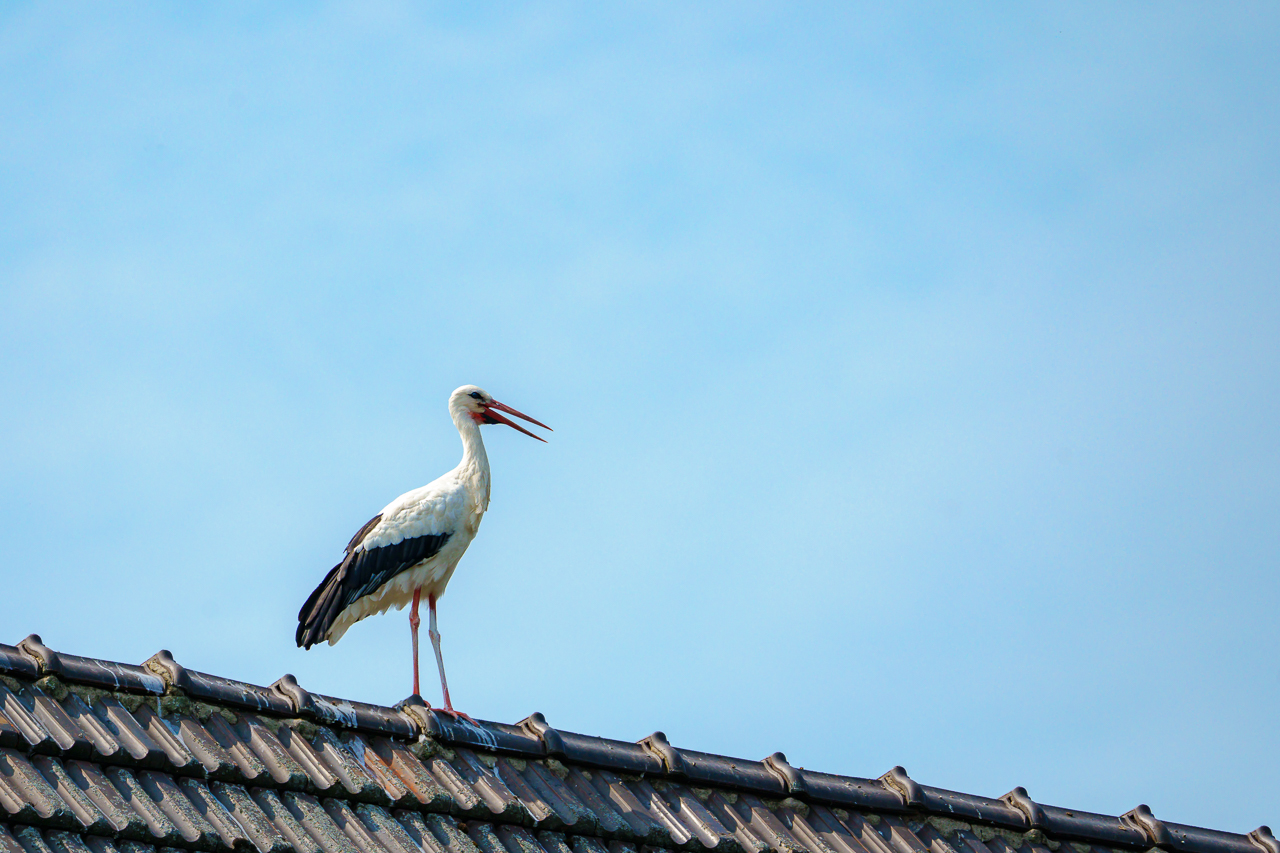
{"x": 475, "y": 395}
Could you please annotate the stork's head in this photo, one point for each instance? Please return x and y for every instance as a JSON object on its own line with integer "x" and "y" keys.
{"x": 479, "y": 405}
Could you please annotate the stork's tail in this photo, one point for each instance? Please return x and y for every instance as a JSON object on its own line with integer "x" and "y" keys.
{"x": 321, "y": 609}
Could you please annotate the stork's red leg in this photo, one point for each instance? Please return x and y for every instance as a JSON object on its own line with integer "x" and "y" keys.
{"x": 414, "y": 622}
{"x": 444, "y": 684}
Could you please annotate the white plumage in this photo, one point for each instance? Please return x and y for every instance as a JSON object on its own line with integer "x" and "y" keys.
{"x": 412, "y": 547}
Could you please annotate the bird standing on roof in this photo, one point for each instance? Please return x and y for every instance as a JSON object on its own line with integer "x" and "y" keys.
{"x": 412, "y": 547}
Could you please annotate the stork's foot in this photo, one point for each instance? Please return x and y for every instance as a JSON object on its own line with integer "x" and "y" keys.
{"x": 457, "y": 715}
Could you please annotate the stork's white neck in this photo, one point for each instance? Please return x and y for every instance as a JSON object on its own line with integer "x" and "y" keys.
{"x": 473, "y": 470}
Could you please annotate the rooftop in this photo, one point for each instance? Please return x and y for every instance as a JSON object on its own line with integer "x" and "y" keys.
{"x": 104, "y": 757}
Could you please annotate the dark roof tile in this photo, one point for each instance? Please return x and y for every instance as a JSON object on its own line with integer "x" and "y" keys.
{"x": 851, "y": 792}
{"x": 447, "y": 833}
{"x": 801, "y": 830}
{"x": 30, "y": 789}
{"x": 765, "y": 824}
{"x": 163, "y": 790}
{"x": 732, "y": 821}
{"x": 162, "y": 734}
{"x": 345, "y": 818}
{"x": 103, "y": 744}
{"x": 1264, "y": 840}
{"x": 283, "y": 767}
{"x": 129, "y": 733}
{"x": 238, "y": 695}
{"x": 215, "y": 814}
{"x": 864, "y": 831}
{"x": 483, "y": 836}
{"x": 974, "y": 808}
{"x": 31, "y": 840}
{"x": 67, "y": 842}
{"x": 581, "y": 844}
{"x": 386, "y": 829}
{"x": 64, "y": 731}
{"x": 8, "y": 844}
{"x": 607, "y": 818}
{"x": 99, "y": 756}
{"x": 534, "y": 802}
{"x": 385, "y": 780}
{"x": 657, "y": 810}
{"x": 148, "y": 811}
{"x": 343, "y": 764}
{"x": 412, "y": 774}
{"x": 900, "y": 836}
{"x": 935, "y": 842}
{"x": 282, "y": 820}
{"x": 832, "y": 831}
{"x": 571, "y": 811}
{"x": 250, "y": 817}
{"x": 312, "y": 816}
{"x": 1093, "y": 828}
{"x": 238, "y": 750}
{"x": 91, "y": 782}
{"x": 20, "y": 721}
{"x": 465, "y": 796}
{"x": 624, "y": 847}
{"x": 701, "y": 823}
{"x": 76, "y": 799}
{"x": 422, "y": 836}
{"x": 319, "y": 774}
{"x": 495, "y": 794}
{"x": 612, "y": 754}
{"x": 704, "y": 768}
{"x": 643, "y": 826}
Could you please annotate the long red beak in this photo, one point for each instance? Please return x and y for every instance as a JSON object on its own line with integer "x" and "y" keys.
{"x": 499, "y": 419}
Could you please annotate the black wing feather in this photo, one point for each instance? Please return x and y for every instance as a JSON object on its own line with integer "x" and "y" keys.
{"x": 360, "y": 573}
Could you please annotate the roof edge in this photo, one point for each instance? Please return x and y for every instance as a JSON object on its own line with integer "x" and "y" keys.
{"x": 534, "y": 737}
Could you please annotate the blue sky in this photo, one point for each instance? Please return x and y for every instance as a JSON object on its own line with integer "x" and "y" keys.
{"x": 913, "y": 368}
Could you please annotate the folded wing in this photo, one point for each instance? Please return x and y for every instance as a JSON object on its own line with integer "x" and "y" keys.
{"x": 360, "y": 573}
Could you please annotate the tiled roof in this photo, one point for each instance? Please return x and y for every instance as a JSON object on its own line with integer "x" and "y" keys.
{"x": 102, "y": 757}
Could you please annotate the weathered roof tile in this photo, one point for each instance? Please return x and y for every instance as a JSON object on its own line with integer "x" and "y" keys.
{"x": 387, "y": 781}
{"x": 31, "y": 840}
{"x": 503, "y": 804}
{"x": 606, "y": 816}
{"x": 346, "y": 820}
{"x": 147, "y": 810}
{"x": 412, "y": 773}
{"x": 16, "y": 718}
{"x": 447, "y": 832}
{"x": 163, "y": 790}
{"x": 339, "y": 760}
{"x": 283, "y": 821}
{"x": 129, "y": 733}
{"x": 89, "y": 815}
{"x": 78, "y": 714}
{"x": 89, "y": 779}
{"x": 161, "y": 732}
{"x": 418, "y": 830}
{"x": 316, "y": 821}
{"x": 250, "y": 818}
{"x": 32, "y": 789}
{"x": 283, "y": 767}
{"x": 215, "y": 814}
{"x": 99, "y": 756}
{"x": 99, "y": 844}
{"x": 386, "y": 829}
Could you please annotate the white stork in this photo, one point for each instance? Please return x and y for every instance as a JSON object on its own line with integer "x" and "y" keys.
{"x": 414, "y": 544}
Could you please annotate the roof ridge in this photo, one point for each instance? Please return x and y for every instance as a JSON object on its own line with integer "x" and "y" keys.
{"x": 535, "y": 738}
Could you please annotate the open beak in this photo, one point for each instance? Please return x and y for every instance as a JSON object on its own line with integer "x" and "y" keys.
{"x": 496, "y": 418}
